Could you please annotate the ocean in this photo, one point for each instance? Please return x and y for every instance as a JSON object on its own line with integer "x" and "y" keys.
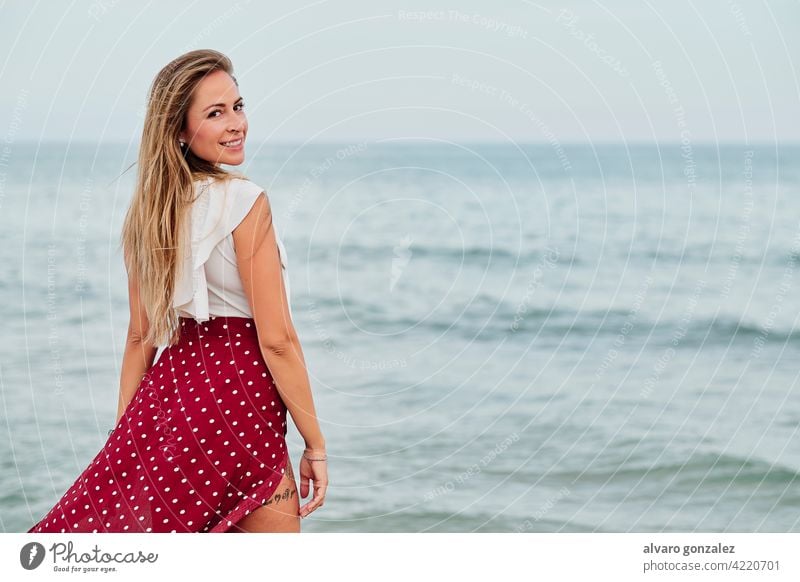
{"x": 500, "y": 337}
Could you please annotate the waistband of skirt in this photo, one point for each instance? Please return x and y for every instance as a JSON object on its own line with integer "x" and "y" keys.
{"x": 219, "y": 325}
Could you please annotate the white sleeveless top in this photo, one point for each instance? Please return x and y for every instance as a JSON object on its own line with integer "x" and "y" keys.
{"x": 209, "y": 284}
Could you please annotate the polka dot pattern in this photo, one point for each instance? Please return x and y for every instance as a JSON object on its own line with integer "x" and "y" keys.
{"x": 201, "y": 445}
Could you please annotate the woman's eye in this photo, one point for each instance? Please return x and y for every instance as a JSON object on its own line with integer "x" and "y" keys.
{"x": 241, "y": 104}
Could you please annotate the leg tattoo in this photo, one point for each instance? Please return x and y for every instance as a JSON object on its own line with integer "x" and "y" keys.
{"x": 290, "y": 491}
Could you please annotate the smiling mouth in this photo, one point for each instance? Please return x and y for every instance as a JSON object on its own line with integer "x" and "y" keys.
{"x": 233, "y": 143}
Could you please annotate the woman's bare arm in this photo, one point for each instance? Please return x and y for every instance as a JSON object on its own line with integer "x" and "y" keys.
{"x": 138, "y": 355}
{"x": 260, "y": 270}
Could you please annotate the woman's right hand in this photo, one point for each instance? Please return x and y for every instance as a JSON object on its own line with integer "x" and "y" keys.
{"x": 316, "y": 471}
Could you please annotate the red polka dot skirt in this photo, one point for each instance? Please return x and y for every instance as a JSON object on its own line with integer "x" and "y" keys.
{"x": 201, "y": 445}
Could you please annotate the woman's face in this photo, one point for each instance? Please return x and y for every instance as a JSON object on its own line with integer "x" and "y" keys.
{"x": 216, "y": 116}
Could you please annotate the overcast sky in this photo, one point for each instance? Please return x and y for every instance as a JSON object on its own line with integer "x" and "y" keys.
{"x": 345, "y": 71}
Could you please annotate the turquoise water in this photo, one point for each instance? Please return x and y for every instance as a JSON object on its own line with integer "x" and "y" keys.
{"x": 500, "y": 338}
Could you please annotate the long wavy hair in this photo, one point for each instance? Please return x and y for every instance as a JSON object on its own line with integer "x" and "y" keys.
{"x": 159, "y": 210}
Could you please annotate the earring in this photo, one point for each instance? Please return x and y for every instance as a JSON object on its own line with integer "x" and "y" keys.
{"x": 183, "y": 143}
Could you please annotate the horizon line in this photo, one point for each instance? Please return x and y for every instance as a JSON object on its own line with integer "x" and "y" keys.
{"x": 436, "y": 141}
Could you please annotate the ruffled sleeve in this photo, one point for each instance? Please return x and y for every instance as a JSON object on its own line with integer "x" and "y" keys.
{"x": 219, "y": 208}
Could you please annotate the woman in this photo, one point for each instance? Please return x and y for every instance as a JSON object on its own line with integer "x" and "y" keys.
{"x": 199, "y": 444}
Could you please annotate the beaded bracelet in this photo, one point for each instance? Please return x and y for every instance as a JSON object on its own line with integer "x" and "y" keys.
{"x": 325, "y": 458}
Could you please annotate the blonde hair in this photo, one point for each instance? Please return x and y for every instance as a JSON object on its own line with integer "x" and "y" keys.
{"x": 159, "y": 209}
